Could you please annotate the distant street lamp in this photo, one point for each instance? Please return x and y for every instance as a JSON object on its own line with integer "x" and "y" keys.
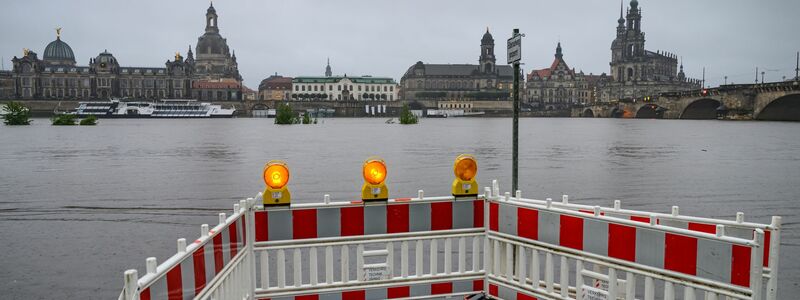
{"x": 762, "y": 77}
{"x": 726, "y": 80}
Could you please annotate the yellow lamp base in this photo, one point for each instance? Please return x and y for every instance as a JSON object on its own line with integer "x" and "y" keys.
{"x": 272, "y": 197}
{"x": 374, "y": 192}
{"x": 463, "y": 188}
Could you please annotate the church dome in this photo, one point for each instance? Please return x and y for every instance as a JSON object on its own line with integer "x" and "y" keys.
{"x": 487, "y": 37}
{"x": 211, "y": 43}
{"x": 58, "y": 50}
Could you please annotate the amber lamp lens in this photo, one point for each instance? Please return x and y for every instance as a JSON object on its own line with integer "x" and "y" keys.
{"x": 465, "y": 167}
{"x": 374, "y": 171}
{"x": 276, "y": 175}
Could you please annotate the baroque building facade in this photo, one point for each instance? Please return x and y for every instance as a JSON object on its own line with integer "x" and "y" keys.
{"x": 484, "y": 81}
{"x": 557, "y": 87}
{"x": 343, "y": 88}
{"x": 58, "y": 76}
{"x": 637, "y": 72}
{"x": 275, "y": 87}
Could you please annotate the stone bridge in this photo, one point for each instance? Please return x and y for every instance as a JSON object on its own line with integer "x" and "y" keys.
{"x": 777, "y": 101}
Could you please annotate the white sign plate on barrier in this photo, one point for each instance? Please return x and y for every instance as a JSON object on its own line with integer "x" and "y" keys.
{"x": 590, "y": 293}
{"x": 376, "y": 273}
{"x": 515, "y": 49}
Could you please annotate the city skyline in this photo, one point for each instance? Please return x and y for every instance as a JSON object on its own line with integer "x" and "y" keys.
{"x": 383, "y": 39}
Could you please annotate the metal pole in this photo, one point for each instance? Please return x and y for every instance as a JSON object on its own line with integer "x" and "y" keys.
{"x": 515, "y": 147}
{"x": 762, "y": 77}
{"x": 797, "y": 67}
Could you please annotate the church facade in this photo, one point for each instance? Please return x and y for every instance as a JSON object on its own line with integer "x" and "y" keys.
{"x": 56, "y": 75}
{"x": 637, "y": 72}
{"x": 484, "y": 81}
{"x": 557, "y": 87}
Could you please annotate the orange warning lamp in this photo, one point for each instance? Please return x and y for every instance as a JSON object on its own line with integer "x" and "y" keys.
{"x": 374, "y": 187}
{"x": 276, "y": 176}
{"x": 465, "y": 168}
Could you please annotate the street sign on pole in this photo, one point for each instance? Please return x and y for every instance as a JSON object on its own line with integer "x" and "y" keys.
{"x": 515, "y": 47}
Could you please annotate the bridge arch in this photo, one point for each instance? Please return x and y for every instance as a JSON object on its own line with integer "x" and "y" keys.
{"x": 784, "y": 108}
{"x": 616, "y": 112}
{"x": 259, "y": 106}
{"x": 701, "y": 109}
{"x": 587, "y": 113}
{"x": 650, "y": 111}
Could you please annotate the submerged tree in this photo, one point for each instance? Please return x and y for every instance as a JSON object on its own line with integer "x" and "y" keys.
{"x": 63, "y": 119}
{"x": 406, "y": 117}
{"x": 284, "y": 114}
{"x": 90, "y": 120}
{"x": 16, "y": 114}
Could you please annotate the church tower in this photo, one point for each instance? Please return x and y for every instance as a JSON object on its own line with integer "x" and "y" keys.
{"x": 487, "y": 60}
{"x": 328, "y": 72}
{"x": 211, "y": 20}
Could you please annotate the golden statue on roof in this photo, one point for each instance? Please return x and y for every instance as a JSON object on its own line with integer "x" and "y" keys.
{"x": 177, "y": 55}
{"x": 25, "y": 51}
{"x": 58, "y": 32}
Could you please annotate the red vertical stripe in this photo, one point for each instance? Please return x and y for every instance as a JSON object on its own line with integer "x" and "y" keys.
{"x": 262, "y": 226}
{"x": 304, "y": 224}
{"x": 397, "y": 218}
{"x": 307, "y": 297}
{"x": 707, "y": 228}
{"x": 528, "y": 223}
{"x": 441, "y": 288}
{"x": 740, "y": 266}
{"x": 640, "y": 219}
{"x": 198, "y": 258}
{"x": 233, "y": 237}
{"x": 493, "y": 290}
{"x": 174, "y": 284}
{"x": 477, "y": 213}
{"x": 494, "y": 211}
{"x": 571, "y": 232}
{"x": 354, "y": 295}
{"x": 680, "y": 253}
{"x": 622, "y": 242}
{"x": 352, "y": 220}
{"x": 477, "y": 285}
{"x": 766, "y": 247}
{"x": 441, "y": 215}
{"x": 144, "y": 294}
{"x": 218, "y": 263}
{"x": 521, "y": 296}
{"x": 398, "y": 292}
{"x": 244, "y": 230}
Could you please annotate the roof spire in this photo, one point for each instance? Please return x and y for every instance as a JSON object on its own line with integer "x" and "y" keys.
{"x": 559, "y": 55}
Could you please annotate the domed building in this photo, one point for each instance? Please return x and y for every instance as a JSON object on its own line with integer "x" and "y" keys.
{"x": 213, "y": 76}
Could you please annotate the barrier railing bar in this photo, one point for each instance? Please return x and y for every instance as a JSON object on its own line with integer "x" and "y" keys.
{"x": 339, "y": 286}
{"x": 373, "y": 238}
{"x": 220, "y": 279}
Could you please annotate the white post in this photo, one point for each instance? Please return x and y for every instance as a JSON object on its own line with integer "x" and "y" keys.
{"x": 739, "y": 217}
{"x": 204, "y": 230}
{"x": 675, "y": 211}
{"x": 565, "y": 199}
{"x": 630, "y": 286}
{"x": 250, "y": 237}
{"x": 151, "y": 265}
{"x": 774, "y": 254}
{"x": 519, "y": 195}
{"x": 596, "y": 211}
{"x": 404, "y": 259}
{"x": 495, "y": 188}
{"x": 720, "y": 230}
{"x": 235, "y": 208}
{"x": 688, "y": 293}
{"x": 669, "y": 290}
{"x": 390, "y": 258}
{"x": 222, "y": 218}
{"x": 434, "y": 255}
{"x": 612, "y": 283}
{"x": 548, "y": 272}
{"x": 617, "y": 205}
{"x": 535, "y": 268}
{"x": 495, "y": 268}
{"x": 131, "y": 285}
{"x": 345, "y": 264}
{"x": 264, "y": 269}
{"x": 448, "y": 255}
{"x": 487, "y": 192}
{"x": 579, "y": 279}
{"x": 418, "y": 258}
{"x": 181, "y": 245}
{"x": 312, "y": 266}
{"x": 509, "y": 261}
{"x": 507, "y": 196}
{"x": 564, "y": 277}
{"x": 281, "y": 260}
{"x": 649, "y": 289}
{"x": 549, "y": 202}
{"x": 360, "y": 262}
{"x": 328, "y": 264}
{"x": 462, "y": 255}
{"x": 521, "y": 265}
{"x": 475, "y": 254}
{"x": 420, "y": 194}
{"x": 326, "y": 198}
{"x": 756, "y": 264}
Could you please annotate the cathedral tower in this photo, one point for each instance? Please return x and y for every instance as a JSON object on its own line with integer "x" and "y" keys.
{"x": 487, "y": 60}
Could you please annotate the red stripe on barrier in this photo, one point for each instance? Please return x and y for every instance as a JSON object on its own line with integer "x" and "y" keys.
{"x": 354, "y": 295}
{"x": 622, "y": 242}
{"x": 521, "y": 296}
{"x": 441, "y": 215}
{"x": 398, "y": 292}
{"x": 307, "y": 297}
{"x": 262, "y": 227}
{"x": 402, "y": 199}
{"x": 494, "y": 211}
{"x": 218, "y": 263}
{"x": 640, "y": 219}
{"x": 493, "y": 290}
{"x": 198, "y": 259}
{"x": 528, "y": 223}
{"x": 591, "y": 212}
{"x": 441, "y": 288}
{"x": 304, "y": 224}
{"x": 244, "y": 230}
{"x": 680, "y": 253}
{"x": 477, "y": 213}
{"x": 144, "y": 294}
{"x": 740, "y": 266}
{"x": 477, "y": 285}
{"x": 767, "y": 241}
{"x": 571, "y": 232}
{"x": 234, "y": 239}
{"x": 707, "y": 228}
{"x": 352, "y": 220}
{"x": 174, "y": 284}
{"x": 397, "y": 218}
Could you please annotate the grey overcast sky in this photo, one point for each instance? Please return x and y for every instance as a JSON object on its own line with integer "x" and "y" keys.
{"x": 383, "y": 38}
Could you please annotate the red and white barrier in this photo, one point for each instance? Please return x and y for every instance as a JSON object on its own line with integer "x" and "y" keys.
{"x": 440, "y": 288}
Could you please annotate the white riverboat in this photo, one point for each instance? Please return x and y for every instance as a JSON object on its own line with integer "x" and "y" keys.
{"x": 167, "y": 108}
